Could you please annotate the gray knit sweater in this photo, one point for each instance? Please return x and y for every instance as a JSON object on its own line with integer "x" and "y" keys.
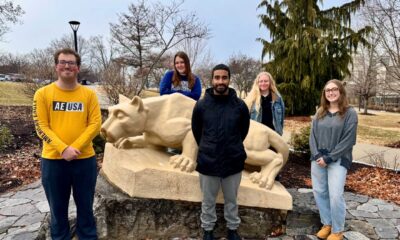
{"x": 333, "y": 137}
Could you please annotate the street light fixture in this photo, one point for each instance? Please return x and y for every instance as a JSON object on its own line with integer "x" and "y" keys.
{"x": 75, "y": 25}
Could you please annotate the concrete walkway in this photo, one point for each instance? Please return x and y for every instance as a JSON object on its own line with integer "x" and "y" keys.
{"x": 380, "y": 156}
{"x": 370, "y": 154}
{"x": 23, "y": 213}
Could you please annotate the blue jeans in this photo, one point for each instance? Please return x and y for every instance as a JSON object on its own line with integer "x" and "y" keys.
{"x": 210, "y": 186}
{"x": 328, "y": 187}
{"x": 58, "y": 178}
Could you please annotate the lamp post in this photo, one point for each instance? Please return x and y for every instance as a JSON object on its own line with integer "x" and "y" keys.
{"x": 75, "y": 25}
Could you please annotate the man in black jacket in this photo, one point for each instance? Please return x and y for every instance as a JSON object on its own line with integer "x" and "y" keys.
{"x": 220, "y": 123}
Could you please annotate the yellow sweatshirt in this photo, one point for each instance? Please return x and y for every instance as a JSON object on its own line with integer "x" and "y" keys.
{"x": 66, "y": 118}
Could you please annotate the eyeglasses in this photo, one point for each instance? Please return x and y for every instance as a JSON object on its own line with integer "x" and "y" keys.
{"x": 70, "y": 63}
{"x": 331, "y": 90}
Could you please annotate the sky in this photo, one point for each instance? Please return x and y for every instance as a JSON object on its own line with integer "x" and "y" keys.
{"x": 234, "y": 23}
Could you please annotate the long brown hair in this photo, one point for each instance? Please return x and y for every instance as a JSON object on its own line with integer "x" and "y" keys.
{"x": 176, "y": 79}
{"x": 324, "y": 104}
{"x": 255, "y": 94}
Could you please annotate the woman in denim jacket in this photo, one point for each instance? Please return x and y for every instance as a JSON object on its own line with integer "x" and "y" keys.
{"x": 265, "y": 103}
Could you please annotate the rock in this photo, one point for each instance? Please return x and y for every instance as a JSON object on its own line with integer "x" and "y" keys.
{"x": 380, "y": 223}
{"x": 368, "y": 208}
{"x": 6, "y": 223}
{"x": 18, "y": 210}
{"x": 305, "y": 237}
{"x": 13, "y": 202}
{"x": 355, "y": 197}
{"x": 363, "y": 214}
{"x": 302, "y": 224}
{"x": 120, "y": 216}
{"x": 304, "y": 218}
{"x": 387, "y": 232}
{"x": 389, "y": 214}
{"x": 30, "y": 219}
{"x": 43, "y": 206}
{"x": 362, "y": 227}
{"x": 352, "y": 235}
{"x": 21, "y": 236}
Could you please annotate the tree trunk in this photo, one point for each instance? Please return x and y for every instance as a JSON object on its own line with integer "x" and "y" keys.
{"x": 365, "y": 105}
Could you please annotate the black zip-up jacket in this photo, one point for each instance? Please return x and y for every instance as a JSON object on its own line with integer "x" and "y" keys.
{"x": 220, "y": 124}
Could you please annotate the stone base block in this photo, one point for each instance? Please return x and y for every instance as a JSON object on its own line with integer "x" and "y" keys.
{"x": 146, "y": 173}
{"x": 120, "y": 216}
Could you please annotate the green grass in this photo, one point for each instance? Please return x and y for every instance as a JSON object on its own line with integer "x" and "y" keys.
{"x": 12, "y": 93}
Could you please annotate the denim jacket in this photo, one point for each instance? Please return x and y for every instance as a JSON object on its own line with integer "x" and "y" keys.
{"x": 278, "y": 113}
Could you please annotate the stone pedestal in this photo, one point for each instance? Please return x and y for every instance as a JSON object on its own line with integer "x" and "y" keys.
{"x": 120, "y": 216}
{"x": 139, "y": 195}
{"x": 146, "y": 173}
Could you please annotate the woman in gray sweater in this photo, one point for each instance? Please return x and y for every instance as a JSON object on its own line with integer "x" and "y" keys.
{"x": 332, "y": 137}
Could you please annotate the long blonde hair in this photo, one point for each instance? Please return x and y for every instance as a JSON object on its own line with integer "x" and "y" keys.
{"x": 255, "y": 94}
{"x": 324, "y": 104}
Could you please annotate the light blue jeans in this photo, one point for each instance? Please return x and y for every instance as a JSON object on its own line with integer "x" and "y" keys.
{"x": 210, "y": 187}
{"x": 328, "y": 187}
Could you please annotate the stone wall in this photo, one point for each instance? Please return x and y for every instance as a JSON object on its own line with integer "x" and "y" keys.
{"x": 119, "y": 216}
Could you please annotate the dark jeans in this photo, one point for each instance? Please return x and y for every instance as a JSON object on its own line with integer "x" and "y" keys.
{"x": 58, "y": 178}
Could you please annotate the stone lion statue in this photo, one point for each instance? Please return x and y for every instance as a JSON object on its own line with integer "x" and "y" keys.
{"x": 165, "y": 122}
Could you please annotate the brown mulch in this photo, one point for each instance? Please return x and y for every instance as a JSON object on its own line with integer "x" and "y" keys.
{"x": 299, "y": 118}
{"x": 21, "y": 166}
{"x": 294, "y": 124}
{"x": 394, "y": 144}
{"x": 361, "y": 179}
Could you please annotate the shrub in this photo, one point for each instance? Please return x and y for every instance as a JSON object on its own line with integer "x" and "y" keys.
{"x": 6, "y": 138}
{"x": 299, "y": 141}
{"x": 98, "y": 144}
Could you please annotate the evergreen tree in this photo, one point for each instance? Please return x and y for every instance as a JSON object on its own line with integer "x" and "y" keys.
{"x": 308, "y": 46}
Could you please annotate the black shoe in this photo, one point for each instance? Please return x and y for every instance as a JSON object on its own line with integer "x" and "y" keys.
{"x": 233, "y": 235}
{"x": 208, "y": 235}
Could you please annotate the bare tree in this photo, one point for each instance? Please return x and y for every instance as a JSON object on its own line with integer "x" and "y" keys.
{"x": 244, "y": 70}
{"x": 100, "y": 56}
{"x": 11, "y": 63}
{"x": 67, "y": 41}
{"x": 196, "y": 49}
{"x": 203, "y": 69}
{"x": 117, "y": 79}
{"x": 39, "y": 70}
{"x": 364, "y": 77}
{"x": 9, "y": 13}
{"x": 147, "y": 32}
{"x": 384, "y": 17}
{"x": 165, "y": 63}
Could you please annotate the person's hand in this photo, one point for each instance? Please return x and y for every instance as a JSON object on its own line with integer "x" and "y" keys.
{"x": 320, "y": 161}
{"x": 70, "y": 153}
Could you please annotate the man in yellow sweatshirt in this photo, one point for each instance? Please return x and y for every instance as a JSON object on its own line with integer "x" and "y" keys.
{"x": 67, "y": 117}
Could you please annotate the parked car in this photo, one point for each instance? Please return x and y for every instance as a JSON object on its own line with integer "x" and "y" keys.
{"x": 2, "y": 77}
{"x": 16, "y": 77}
